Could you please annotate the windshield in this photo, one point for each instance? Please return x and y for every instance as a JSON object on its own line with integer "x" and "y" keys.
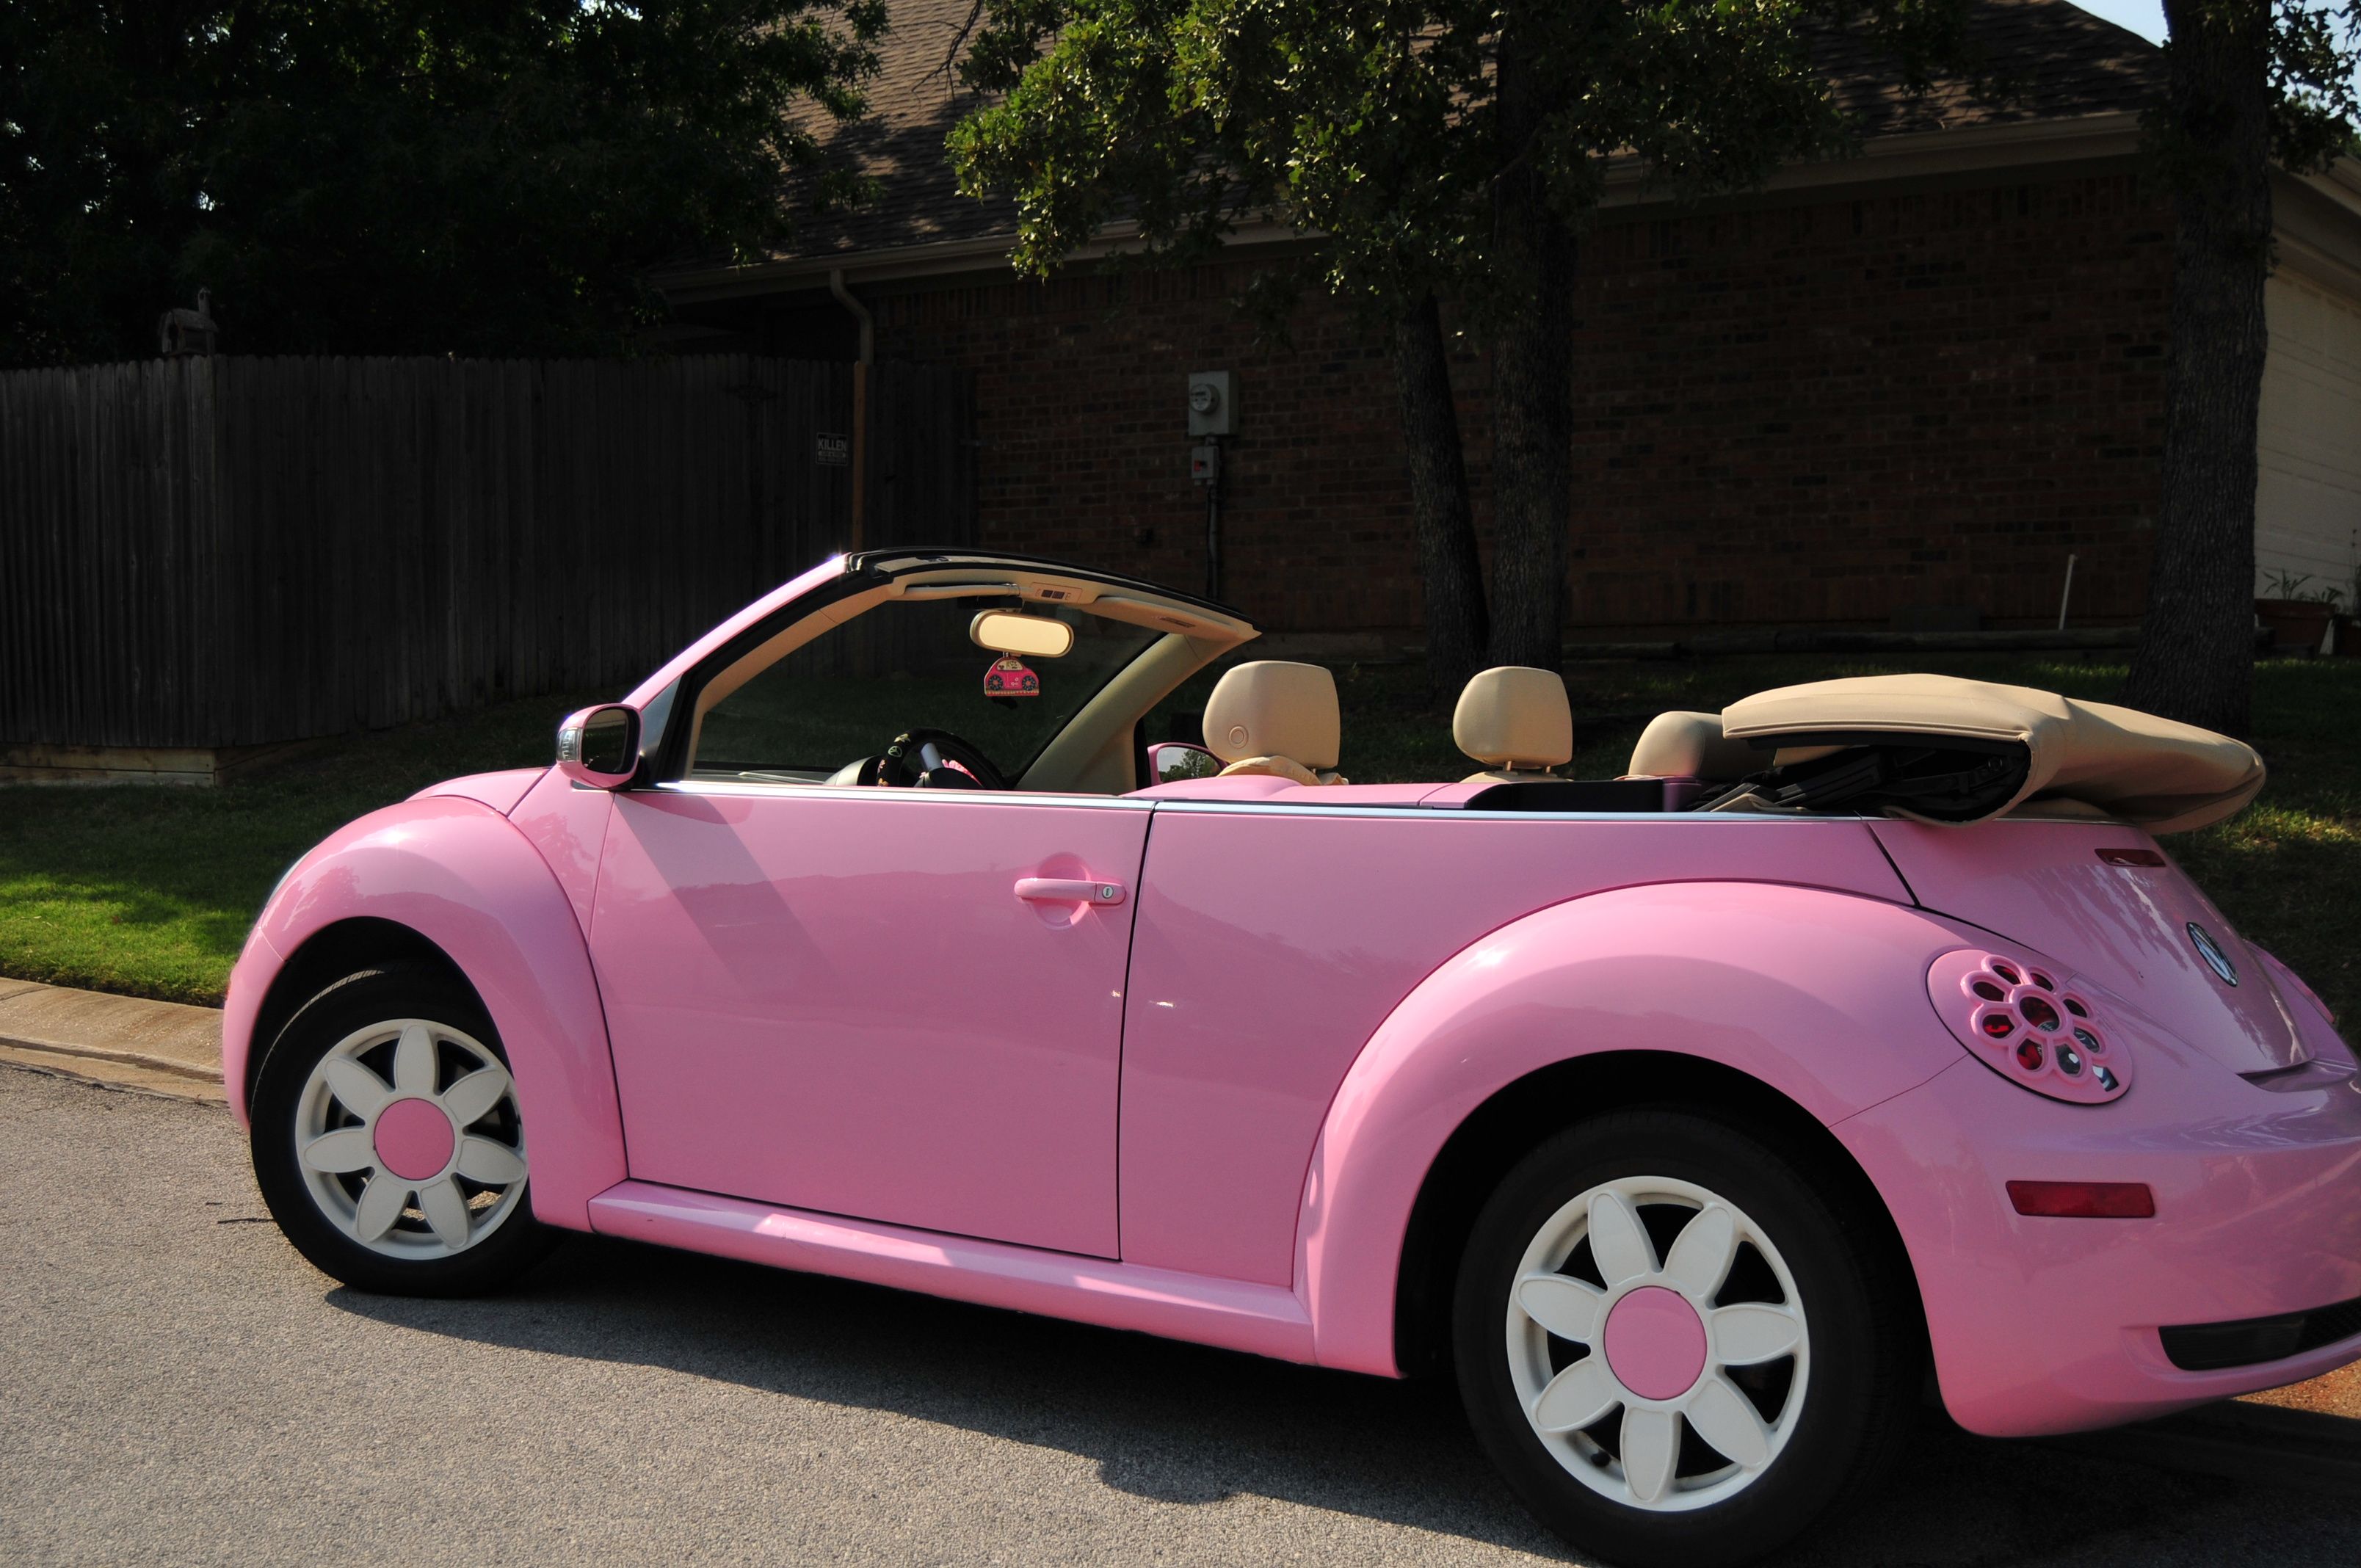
{"x": 909, "y": 665}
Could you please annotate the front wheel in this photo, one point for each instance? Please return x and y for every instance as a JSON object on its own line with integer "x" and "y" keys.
{"x": 387, "y": 1142}
{"x": 1678, "y": 1343}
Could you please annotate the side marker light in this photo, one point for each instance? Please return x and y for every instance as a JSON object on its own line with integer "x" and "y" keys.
{"x": 2083, "y": 1199}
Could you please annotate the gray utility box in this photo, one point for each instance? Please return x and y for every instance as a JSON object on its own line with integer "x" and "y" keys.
{"x": 1212, "y": 403}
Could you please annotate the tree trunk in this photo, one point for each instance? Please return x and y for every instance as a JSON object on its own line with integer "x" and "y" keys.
{"x": 1532, "y": 384}
{"x": 1449, "y": 575}
{"x": 2195, "y": 661}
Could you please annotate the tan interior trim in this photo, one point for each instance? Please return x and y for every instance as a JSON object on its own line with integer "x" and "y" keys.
{"x": 1092, "y": 753}
{"x": 770, "y": 652}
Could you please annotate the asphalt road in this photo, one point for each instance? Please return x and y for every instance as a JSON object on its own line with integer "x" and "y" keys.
{"x": 179, "y": 1386}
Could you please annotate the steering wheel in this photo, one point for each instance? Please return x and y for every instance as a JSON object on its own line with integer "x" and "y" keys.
{"x": 921, "y": 759}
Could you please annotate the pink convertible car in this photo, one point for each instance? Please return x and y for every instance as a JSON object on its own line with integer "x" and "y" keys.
{"x": 1686, "y": 1117}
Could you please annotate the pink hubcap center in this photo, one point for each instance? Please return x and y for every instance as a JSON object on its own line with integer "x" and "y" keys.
{"x": 413, "y": 1139}
{"x": 1655, "y": 1343}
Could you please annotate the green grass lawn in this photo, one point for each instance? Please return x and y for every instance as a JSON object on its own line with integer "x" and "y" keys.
{"x": 150, "y": 890}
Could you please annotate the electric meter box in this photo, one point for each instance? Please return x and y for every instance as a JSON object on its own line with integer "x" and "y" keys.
{"x": 1212, "y": 403}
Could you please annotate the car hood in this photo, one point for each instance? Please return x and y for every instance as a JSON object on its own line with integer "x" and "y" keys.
{"x": 501, "y": 791}
{"x": 2064, "y": 888}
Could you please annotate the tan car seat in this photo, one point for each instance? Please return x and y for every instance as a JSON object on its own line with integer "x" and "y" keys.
{"x": 1517, "y": 721}
{"x": 1691, "y": 746}
{"x": 1275, "y": 718}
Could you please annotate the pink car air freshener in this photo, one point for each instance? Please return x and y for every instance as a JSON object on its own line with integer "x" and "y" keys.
{"x": 1009, "y": 677}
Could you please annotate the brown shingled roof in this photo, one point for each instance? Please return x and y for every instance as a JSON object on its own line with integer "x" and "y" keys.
{"x": 2050, "y": 59}
{"x": 912, "y": 104}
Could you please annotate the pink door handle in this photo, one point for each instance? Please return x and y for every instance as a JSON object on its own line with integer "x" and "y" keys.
{"x": 1067, "y": 890}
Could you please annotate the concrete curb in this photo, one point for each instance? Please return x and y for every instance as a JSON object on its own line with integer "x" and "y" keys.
{"x": 167, "y": 1046}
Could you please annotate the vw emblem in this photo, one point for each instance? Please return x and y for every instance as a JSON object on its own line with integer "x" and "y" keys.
{"x": 2211, "y": 951}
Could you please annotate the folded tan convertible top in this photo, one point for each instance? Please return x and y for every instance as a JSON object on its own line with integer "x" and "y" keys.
{"x": 2138, "y": 768}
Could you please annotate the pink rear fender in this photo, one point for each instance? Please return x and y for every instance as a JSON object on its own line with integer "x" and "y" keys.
{"x": 459, "y": 875}
{"x": 1820, "y": 996}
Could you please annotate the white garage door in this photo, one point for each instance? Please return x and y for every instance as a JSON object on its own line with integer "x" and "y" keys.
{"x": 2308, "y": 504}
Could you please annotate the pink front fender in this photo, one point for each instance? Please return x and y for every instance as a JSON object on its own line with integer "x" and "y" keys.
{"x": 1820, "y": 995}
{"x": 459, "y": 875}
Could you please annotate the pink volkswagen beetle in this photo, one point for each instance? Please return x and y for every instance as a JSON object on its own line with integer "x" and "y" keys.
{"x": 1685, "y": 1117}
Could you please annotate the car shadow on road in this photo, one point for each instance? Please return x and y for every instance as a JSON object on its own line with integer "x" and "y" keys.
{"x": 1184, "y": 1424}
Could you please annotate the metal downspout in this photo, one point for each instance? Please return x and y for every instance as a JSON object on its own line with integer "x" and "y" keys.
{"x": 868, "y": 326}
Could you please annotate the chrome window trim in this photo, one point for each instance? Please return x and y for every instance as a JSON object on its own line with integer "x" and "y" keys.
{"x": 754, "y": 790}
{"x": 1430, "y": 813}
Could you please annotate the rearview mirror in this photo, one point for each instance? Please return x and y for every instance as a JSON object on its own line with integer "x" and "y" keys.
{"x": 599, "y": 746}
{"x": 1176, "y": 762}
{"x": 1027, "y": 636}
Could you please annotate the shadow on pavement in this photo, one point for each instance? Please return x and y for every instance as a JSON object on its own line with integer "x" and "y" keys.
{"x": 1184, "y": 1424}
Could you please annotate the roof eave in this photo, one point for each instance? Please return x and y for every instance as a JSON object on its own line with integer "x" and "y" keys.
{"x": 1970, "y": 149}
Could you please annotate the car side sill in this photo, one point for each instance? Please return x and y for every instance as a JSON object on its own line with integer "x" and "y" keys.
{"x": 1232, "y": 1314}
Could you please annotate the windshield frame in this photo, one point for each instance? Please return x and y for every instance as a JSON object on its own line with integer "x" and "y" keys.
{"x": 675, "y": 695}
{"x": 1070, "y": 705}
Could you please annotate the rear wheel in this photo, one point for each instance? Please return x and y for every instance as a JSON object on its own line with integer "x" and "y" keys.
{"x": 387, "y": 1142}
{"x": 1677, "y": 1341}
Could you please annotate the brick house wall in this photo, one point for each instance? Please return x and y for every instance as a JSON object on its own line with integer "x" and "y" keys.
{"x": 1801, "y": 411}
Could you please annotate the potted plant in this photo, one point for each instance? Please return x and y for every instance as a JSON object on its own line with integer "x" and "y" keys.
{"x": 2297, "y": 614}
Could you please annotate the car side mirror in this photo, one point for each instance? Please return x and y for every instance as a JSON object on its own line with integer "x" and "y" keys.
{"x": 1176, "y": 762}
{"x": 599, "y": 746}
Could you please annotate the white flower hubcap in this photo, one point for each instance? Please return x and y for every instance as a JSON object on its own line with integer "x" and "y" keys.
{"x": 1621, "y": 1359}
{"x": 409, "y": 1141}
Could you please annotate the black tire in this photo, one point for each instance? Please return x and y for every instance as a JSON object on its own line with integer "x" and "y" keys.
{"x": 354, "y": 1003}
{"x": 1857, "y": 1404}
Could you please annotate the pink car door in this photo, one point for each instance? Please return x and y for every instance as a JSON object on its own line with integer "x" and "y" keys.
{"x": 903, "y": 1005}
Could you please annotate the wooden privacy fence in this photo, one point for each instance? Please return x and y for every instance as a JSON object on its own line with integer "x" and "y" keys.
{"x": 230, "y": 551}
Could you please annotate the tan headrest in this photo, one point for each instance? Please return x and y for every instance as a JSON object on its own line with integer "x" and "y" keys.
{"x": 1692, "y": 746}
{"x": 2166, "y": 776}
{"x": 1515, "y": 716}
{"x": 1272, "y": 709}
